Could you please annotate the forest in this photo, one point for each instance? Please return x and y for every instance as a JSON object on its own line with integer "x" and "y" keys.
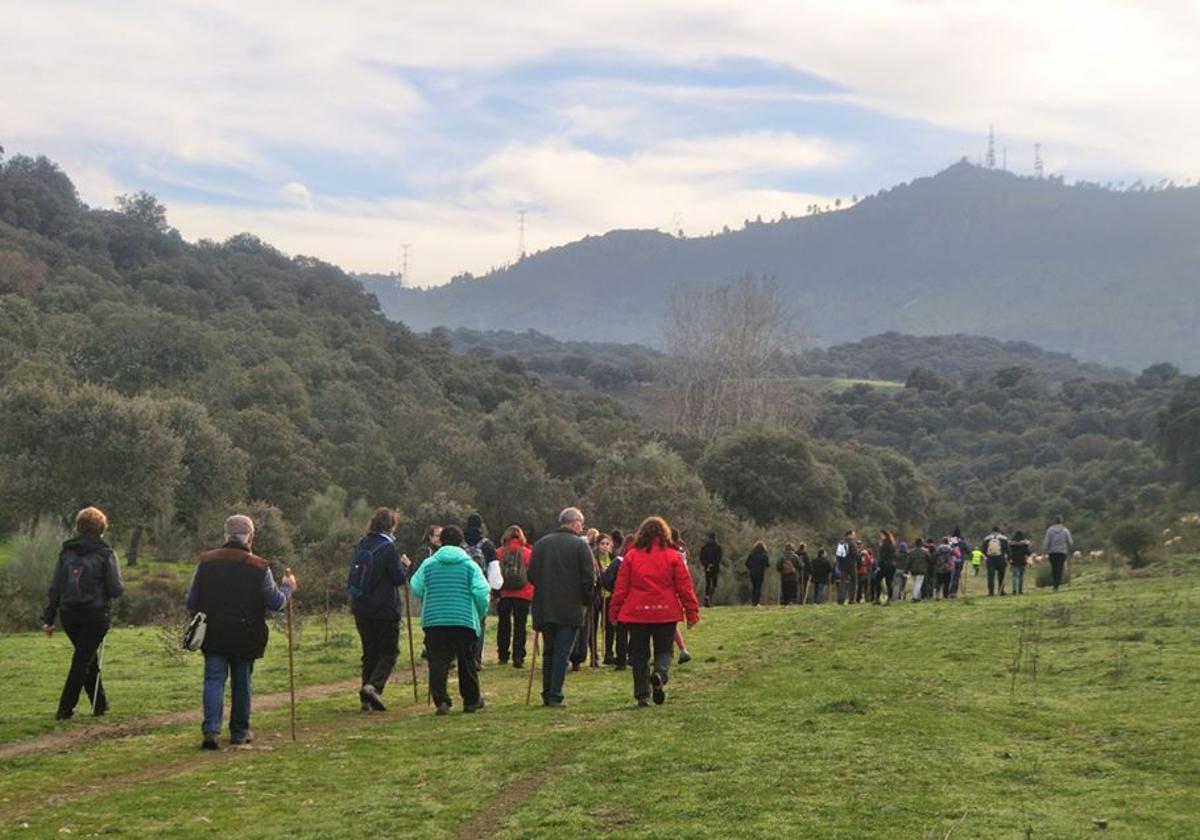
{"x": 172, "y": 382}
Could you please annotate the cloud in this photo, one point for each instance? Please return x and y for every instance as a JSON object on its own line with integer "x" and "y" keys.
{"x": 298, "y": 194}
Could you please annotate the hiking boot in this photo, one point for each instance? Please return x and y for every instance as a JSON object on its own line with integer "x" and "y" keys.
{"x": 518, "y": 663}
{"x": 366, "y": 707}
{"x": 503, "y": 660}
{"x": 243, "y": 740}
{"x": 61, "y": 715}
{"x": 574, "y": 666}
{"x": 442, "y": 709}
{"x": 471, "y": 708}
{"x": 370, "y": 695}
{"x": 643, "y": 701}
{"x": 656, "y": 687}
{"x": 621, "y": 666}
{"x": 685, "y": 657}
{"x": 554, "y": 704}
{"x": 210, "y": 742}
{"x": 608, "y": 660}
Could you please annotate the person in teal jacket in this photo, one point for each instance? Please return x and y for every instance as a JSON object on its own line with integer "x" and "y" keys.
{"x": 454, "y": 599}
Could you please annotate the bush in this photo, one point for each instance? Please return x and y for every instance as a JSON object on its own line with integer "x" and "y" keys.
{"x": 1132, "y": 539}
{"x": 24, "y": 580}
{"x": 155, "y": 598}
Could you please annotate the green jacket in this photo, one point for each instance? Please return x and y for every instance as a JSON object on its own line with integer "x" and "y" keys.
{"x": 452, "y": 589}
{"x": 919, "y": 561}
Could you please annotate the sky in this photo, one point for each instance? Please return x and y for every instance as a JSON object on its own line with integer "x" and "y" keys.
{"x": 346, "y": 133}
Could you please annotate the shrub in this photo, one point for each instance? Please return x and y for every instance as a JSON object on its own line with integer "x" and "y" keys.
{"x": 24, "y": 580}
{"x": 1133, "y": 538}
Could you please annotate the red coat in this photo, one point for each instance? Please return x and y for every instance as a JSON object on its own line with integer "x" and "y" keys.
{"x": 526, "y": 592}
{"x": 653, "y": 586}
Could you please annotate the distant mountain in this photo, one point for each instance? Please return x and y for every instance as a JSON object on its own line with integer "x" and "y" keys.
{"x": 1110, "y": 277}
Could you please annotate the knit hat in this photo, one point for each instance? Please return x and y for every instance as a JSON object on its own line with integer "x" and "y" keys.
{"x": 474, "y": 521}
{"x": 903, "y": 546}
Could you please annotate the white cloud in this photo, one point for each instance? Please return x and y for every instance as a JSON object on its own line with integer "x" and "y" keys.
{"x": 298, "y": 194}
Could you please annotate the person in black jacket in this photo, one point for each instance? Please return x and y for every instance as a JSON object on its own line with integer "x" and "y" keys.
{"x": 376, "y": 608}
{"x": 886, "y": 569}
{"x": 234, "y": 588}
{"x": 85, "y": 581}
{"x": 757, "y": 562}
{"x": 711, "y": 555}
{"x": 821, "y": 570}
{"x": 805, "y": 572}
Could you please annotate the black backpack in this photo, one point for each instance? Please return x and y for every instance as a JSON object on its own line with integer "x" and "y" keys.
{"x": 81, "y": 580}
{"x": 358, "y": 584}
{"x": 512, "y": 567}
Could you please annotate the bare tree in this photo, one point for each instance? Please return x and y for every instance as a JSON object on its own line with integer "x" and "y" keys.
{"x": 731, "y": 346}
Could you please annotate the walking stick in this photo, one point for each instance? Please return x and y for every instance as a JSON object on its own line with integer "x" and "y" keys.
{"x": 291, "y": 663}
{"x": 99, "y": 666}
{"x": 412, "y": 654}
{"x": 532, "y": 667}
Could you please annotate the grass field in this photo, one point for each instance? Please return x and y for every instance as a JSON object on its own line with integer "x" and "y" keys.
{"x": 979, "y": 717}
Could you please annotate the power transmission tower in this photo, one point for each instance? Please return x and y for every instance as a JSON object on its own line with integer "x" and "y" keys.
{"x": 677, "y": 224}
{"x": 991, "y": 150}
{"x": 521, "y": 235}
{"x": 403, "y": 265}
{"x": 1039, "y": 171}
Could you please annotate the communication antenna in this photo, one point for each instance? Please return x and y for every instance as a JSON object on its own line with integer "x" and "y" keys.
{"x": 521, "y": 235}
{"x": 1039, "y": 171}
{"x": 991, "y": 150}
{"x": 403, "y": 264}
{"x": 677, "y": 224}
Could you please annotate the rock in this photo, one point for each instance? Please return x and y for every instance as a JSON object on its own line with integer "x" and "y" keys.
{"x": 1099, "y": 824}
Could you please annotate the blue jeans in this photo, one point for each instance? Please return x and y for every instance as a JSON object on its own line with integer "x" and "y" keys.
{"x": 216, "y": 667}
{"x": 560, "y": 640}
{"x": 1018, "y": 580}
{"x": 819, "y": 593}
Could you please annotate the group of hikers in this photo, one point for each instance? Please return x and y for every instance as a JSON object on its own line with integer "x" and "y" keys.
{"x": 577, "y": 586}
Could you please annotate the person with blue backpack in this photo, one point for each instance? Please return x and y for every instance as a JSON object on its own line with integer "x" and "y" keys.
{"x": 377, "y": 568}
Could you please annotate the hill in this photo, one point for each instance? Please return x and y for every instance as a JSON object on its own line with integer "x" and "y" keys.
{"x": 1106, "y": 276}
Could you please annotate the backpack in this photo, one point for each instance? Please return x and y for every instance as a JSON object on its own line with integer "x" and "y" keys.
{"x": 475, "y": 552}
{"x": 994, "y": 548}
{"x": 512, "y": 567}
{"x": 358, "y": 584}
{"x": 787, "y": 567}
{"x": 81, "y": 582}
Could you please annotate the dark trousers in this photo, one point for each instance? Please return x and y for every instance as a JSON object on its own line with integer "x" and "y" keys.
{"x": 559, "y": 641}
{"x": 380, "y": 639}
{"x": 640, "y": 636}
{"x": 85, "y": 667}
{"x": 995, "y": 573}
{"x": 447, "y": 644}
{"x": 818, "y": 592}
{"x": 512, "y": 613}
{"x": 756, "y": 585}
{"x": 862, "y": 588}
{"x": 845, "y": 588}
{"x": 579, "y": 650}
{"x": 613, "y": 640}
{"x": 478, "y": 654}
{"x": 710, "y": 583}
{"x": 1056, "y": 568}
{"x": 788, "y": 589}
{"x": 886, "y": 575}
{"x": 943, "y": 583}
{"x": 621, "y": 639}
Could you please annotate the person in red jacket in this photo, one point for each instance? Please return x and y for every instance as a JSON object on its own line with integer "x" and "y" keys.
{"x": 653, "y": 592}
{"x": 516, "y": 592}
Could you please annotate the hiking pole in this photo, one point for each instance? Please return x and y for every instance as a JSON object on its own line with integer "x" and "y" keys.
{"x": 412, "y": 651}
{"x": 291, "y": 663}
{"x": 532, "y": 667}
{"x": 99, "y": 666}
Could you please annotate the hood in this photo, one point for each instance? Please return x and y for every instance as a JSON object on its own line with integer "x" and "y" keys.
{"x": 472, "y": 535}
{"x": 450, "y": 554}
{"x": 82, "y": 545}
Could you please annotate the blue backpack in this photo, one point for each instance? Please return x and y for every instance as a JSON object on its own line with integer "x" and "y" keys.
{"x": 359, "y": 582}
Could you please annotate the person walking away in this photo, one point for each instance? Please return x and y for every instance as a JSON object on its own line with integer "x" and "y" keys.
{"x": 805, "y": 572}
{"x": 1019, "y": 551}
{"x": 234, "y": 588}
{"x": 995, "y": 551}
{"x": 653, "y": 593}
{"x": 454, "y": 599}
{"x": 900, "y": 575}
{"x": 483, "y": 552}
{"x": 863, "y": 573}
{"x": 822, "y": 570}
{"x": 887, "y": 564}
{"x": 516, "y": 592}
{"x": 376, "y": 569}
{"x": 563, "y": 575}
{"x": 920, "y": 562}
{"x": 788, "y": 567}
{"x": 1057, "y": 545}
{"x": 757, "y": 562}
{"x": 943, "y": 563}
{"x": 976, "y": 560}
{"x": 711, "y": 555}
{"x": 86, "y": 579}
{"x": 847, "y": 568}
{"x": 620, "y": 634}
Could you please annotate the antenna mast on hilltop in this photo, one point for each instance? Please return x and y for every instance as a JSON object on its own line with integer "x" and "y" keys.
{"x": 1039, "y": 171}
{"x": 991, "y": 152}
{"x": 521, "y": 235}
{"x": 403, "y": 265}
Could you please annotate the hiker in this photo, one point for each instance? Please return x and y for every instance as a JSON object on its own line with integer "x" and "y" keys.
{"x": 711, "y": 554}
{"x": 563, "y": 575}
{"x": 512, "y": 608}
{"x": 620, "y": 632}
{"x": 995, "y": 550}
{"x": 653, "y": 593}
{"x": 454, "y": 599}
{"x": 234, "y": 588}
{"x": 886, "y": 566}
{"x": 900, "y": 575}
{"x": 430, "y": 543}
{"x": 961, "y": 552}
{"x": 86, "y": 579}
{"x": 604, "y": 560}
{"x": 821, "y": 570}
{"x": 847, "y": 568}
{"x": 976, "y": 560}
{"x": 583, "y": 641}
{"x": 927, "y": 591}
{"x": 919, "y": 565}
{"x": 376, "y": 569}
{"x": 757, "y": 562}
{"x": 788, "y": 567}
{"x": 943, "y": 565}
{"x": 866, "y": 565}
{"x": 1019, "y": 552}
{"x": 1056, "y": 545}
{"x": 805, "y": 572}
{"x": 483, "y": 552}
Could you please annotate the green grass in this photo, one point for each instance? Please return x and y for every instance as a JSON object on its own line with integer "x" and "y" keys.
{"x": 808, "y": 722}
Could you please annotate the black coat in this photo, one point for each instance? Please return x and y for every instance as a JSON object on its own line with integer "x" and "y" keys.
{"x": 563, "y": 573}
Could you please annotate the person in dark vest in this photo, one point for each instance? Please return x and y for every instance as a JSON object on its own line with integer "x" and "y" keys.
{"x": 376, "y": 608}
{"x": 234, "y": 588}
{"x": 711, "y": 554}
{"x": 757, "y": 563}
{"x": 86, "y": 579}
{"x": 563, "y": 574}
{"x": 822, "y": 571}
